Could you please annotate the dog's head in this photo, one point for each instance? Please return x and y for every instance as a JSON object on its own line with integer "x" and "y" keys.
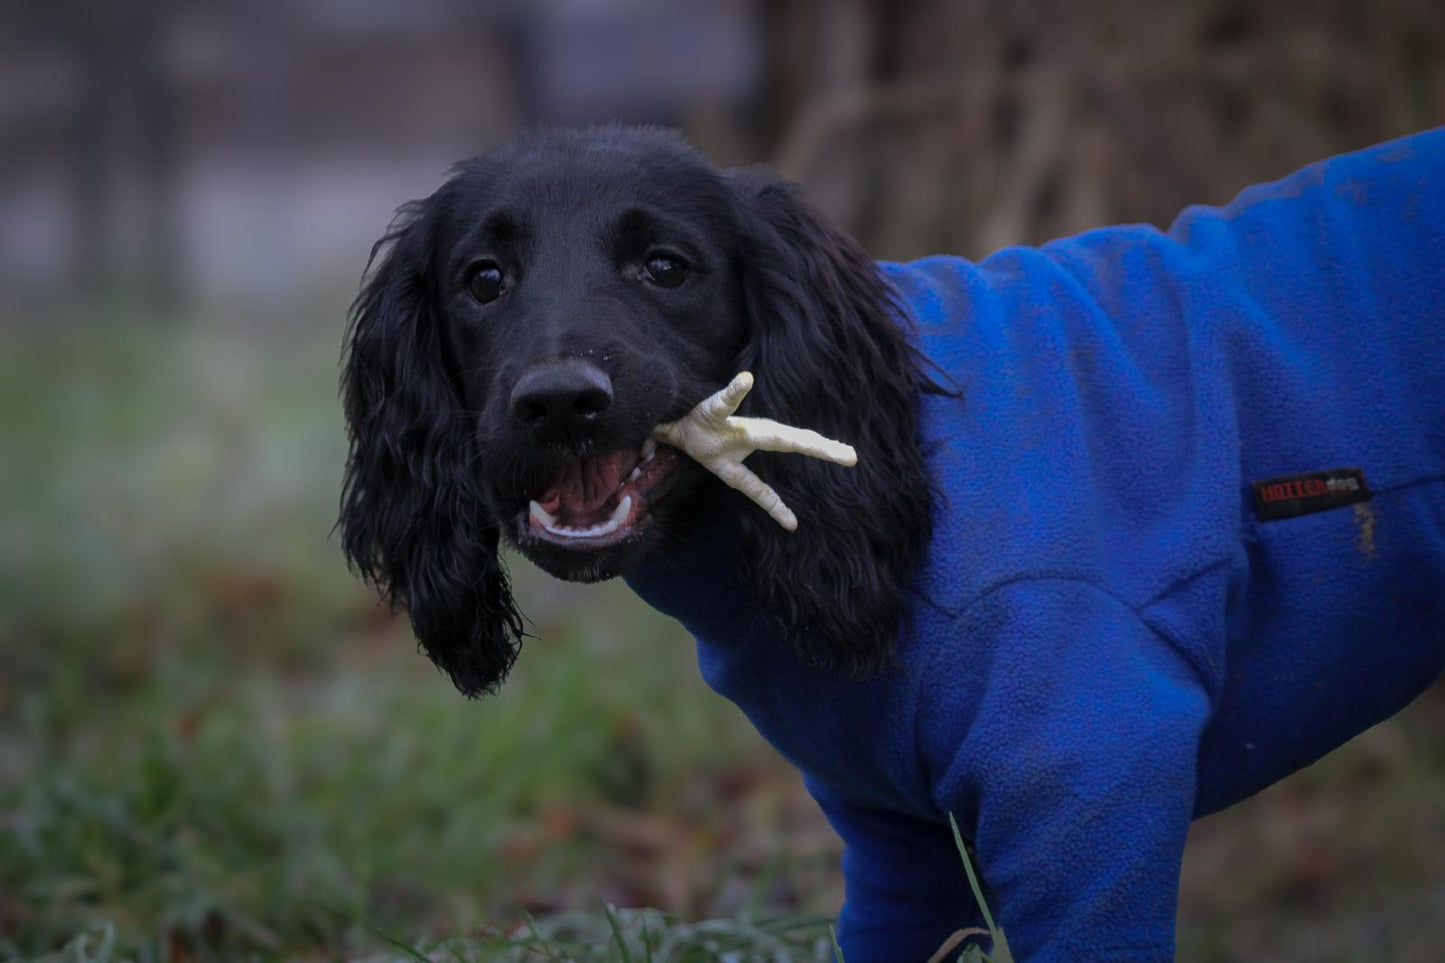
{"x": 525, "y": 328}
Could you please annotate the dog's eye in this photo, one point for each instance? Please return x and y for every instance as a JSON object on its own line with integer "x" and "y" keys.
{"x": 665, "y": 271}
{"x": 486, "y": 281}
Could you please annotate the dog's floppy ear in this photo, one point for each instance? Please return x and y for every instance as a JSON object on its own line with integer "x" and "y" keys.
{"x": 413, "y": 521}
{"x": 829, "y": 348}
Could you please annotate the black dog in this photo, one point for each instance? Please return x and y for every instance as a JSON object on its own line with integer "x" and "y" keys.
{"x": 1141, "y": 521}
{"x": 532, "y": 321}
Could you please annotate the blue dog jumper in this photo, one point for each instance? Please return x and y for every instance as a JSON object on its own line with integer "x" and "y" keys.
{"x": 1190, "y": 537}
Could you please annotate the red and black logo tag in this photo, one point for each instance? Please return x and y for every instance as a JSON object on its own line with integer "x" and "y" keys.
{"x": 1315, "y": 491}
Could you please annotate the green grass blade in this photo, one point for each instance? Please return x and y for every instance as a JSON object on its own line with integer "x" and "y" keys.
{"x": 973, "y": 881}
{"x": 548, "y": 944}
{"x": 617, "y": 933}
{"x": 410, "y": 951}
{"x": 974, "y": 954}
{"x": 837, "y": 950}
{"x": 646, "y": 941}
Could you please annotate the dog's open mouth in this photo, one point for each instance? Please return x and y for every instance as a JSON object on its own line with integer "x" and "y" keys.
{"x": 599, "y": 501}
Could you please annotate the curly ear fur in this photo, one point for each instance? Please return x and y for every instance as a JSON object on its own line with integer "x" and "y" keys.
{"x": 413, "y": 520}
{"x": 830, "y": 351}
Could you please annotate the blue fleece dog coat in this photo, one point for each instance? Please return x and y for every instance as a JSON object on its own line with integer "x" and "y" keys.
{"x": 1190, "y": 537}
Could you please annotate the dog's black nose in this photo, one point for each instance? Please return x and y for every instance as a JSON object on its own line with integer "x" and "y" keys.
{"x": 562, "y": 397}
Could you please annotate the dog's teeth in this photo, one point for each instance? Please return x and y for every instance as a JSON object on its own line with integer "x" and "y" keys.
{"x": 649, "y": 448}
{"x": 613, "y": 523}
{"x": 636, "y": 474}
{"x": 619, "y": 514}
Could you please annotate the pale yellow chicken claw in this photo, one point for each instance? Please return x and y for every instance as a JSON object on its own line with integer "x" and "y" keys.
{"x": 719, "y": 441}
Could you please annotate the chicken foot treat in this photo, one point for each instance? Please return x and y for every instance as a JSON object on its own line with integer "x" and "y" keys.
{"x": 719, "y": 441}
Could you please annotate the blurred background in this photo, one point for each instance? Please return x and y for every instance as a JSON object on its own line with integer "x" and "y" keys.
{"x": 213, "y": 742}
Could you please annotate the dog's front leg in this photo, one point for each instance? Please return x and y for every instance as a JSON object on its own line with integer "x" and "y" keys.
{"x": 1076, "y": 779}
{"x": 906, "y": 888}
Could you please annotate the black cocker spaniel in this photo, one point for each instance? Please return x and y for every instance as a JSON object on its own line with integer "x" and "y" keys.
{"x": 524, "y": 328}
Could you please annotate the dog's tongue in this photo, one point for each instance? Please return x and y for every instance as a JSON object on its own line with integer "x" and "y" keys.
{"x": 584, "y": 488}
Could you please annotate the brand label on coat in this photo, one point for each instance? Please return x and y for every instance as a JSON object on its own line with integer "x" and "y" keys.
{"x": 1315, "y": 491}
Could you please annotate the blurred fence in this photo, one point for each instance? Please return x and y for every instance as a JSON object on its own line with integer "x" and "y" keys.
{"x": 250, "y": 151}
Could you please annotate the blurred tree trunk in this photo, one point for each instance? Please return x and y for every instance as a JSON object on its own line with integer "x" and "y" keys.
{"x": 92, "y": 186}
{"x": 157, "y": 132}
{"x": 267, "y": 131}
{"x": 965, "y": 125}
{"x": 124, "y": 136}
{"x": 817, "y": 52}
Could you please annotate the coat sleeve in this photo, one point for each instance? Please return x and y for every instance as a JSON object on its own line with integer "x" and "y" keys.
{"x": 1076, "y": 778}
{"x": 905, "y": 887}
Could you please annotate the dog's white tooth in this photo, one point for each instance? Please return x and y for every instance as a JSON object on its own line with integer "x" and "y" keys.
{"x": 649, "y": 448}
{"x": 636, "y": 473}
{"x": 620, "y": 513}
{"x": 614, "y": 522}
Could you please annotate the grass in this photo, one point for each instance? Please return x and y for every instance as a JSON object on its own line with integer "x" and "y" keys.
{"x": 614, "y": 935}
{"x": 214, "y": 745}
